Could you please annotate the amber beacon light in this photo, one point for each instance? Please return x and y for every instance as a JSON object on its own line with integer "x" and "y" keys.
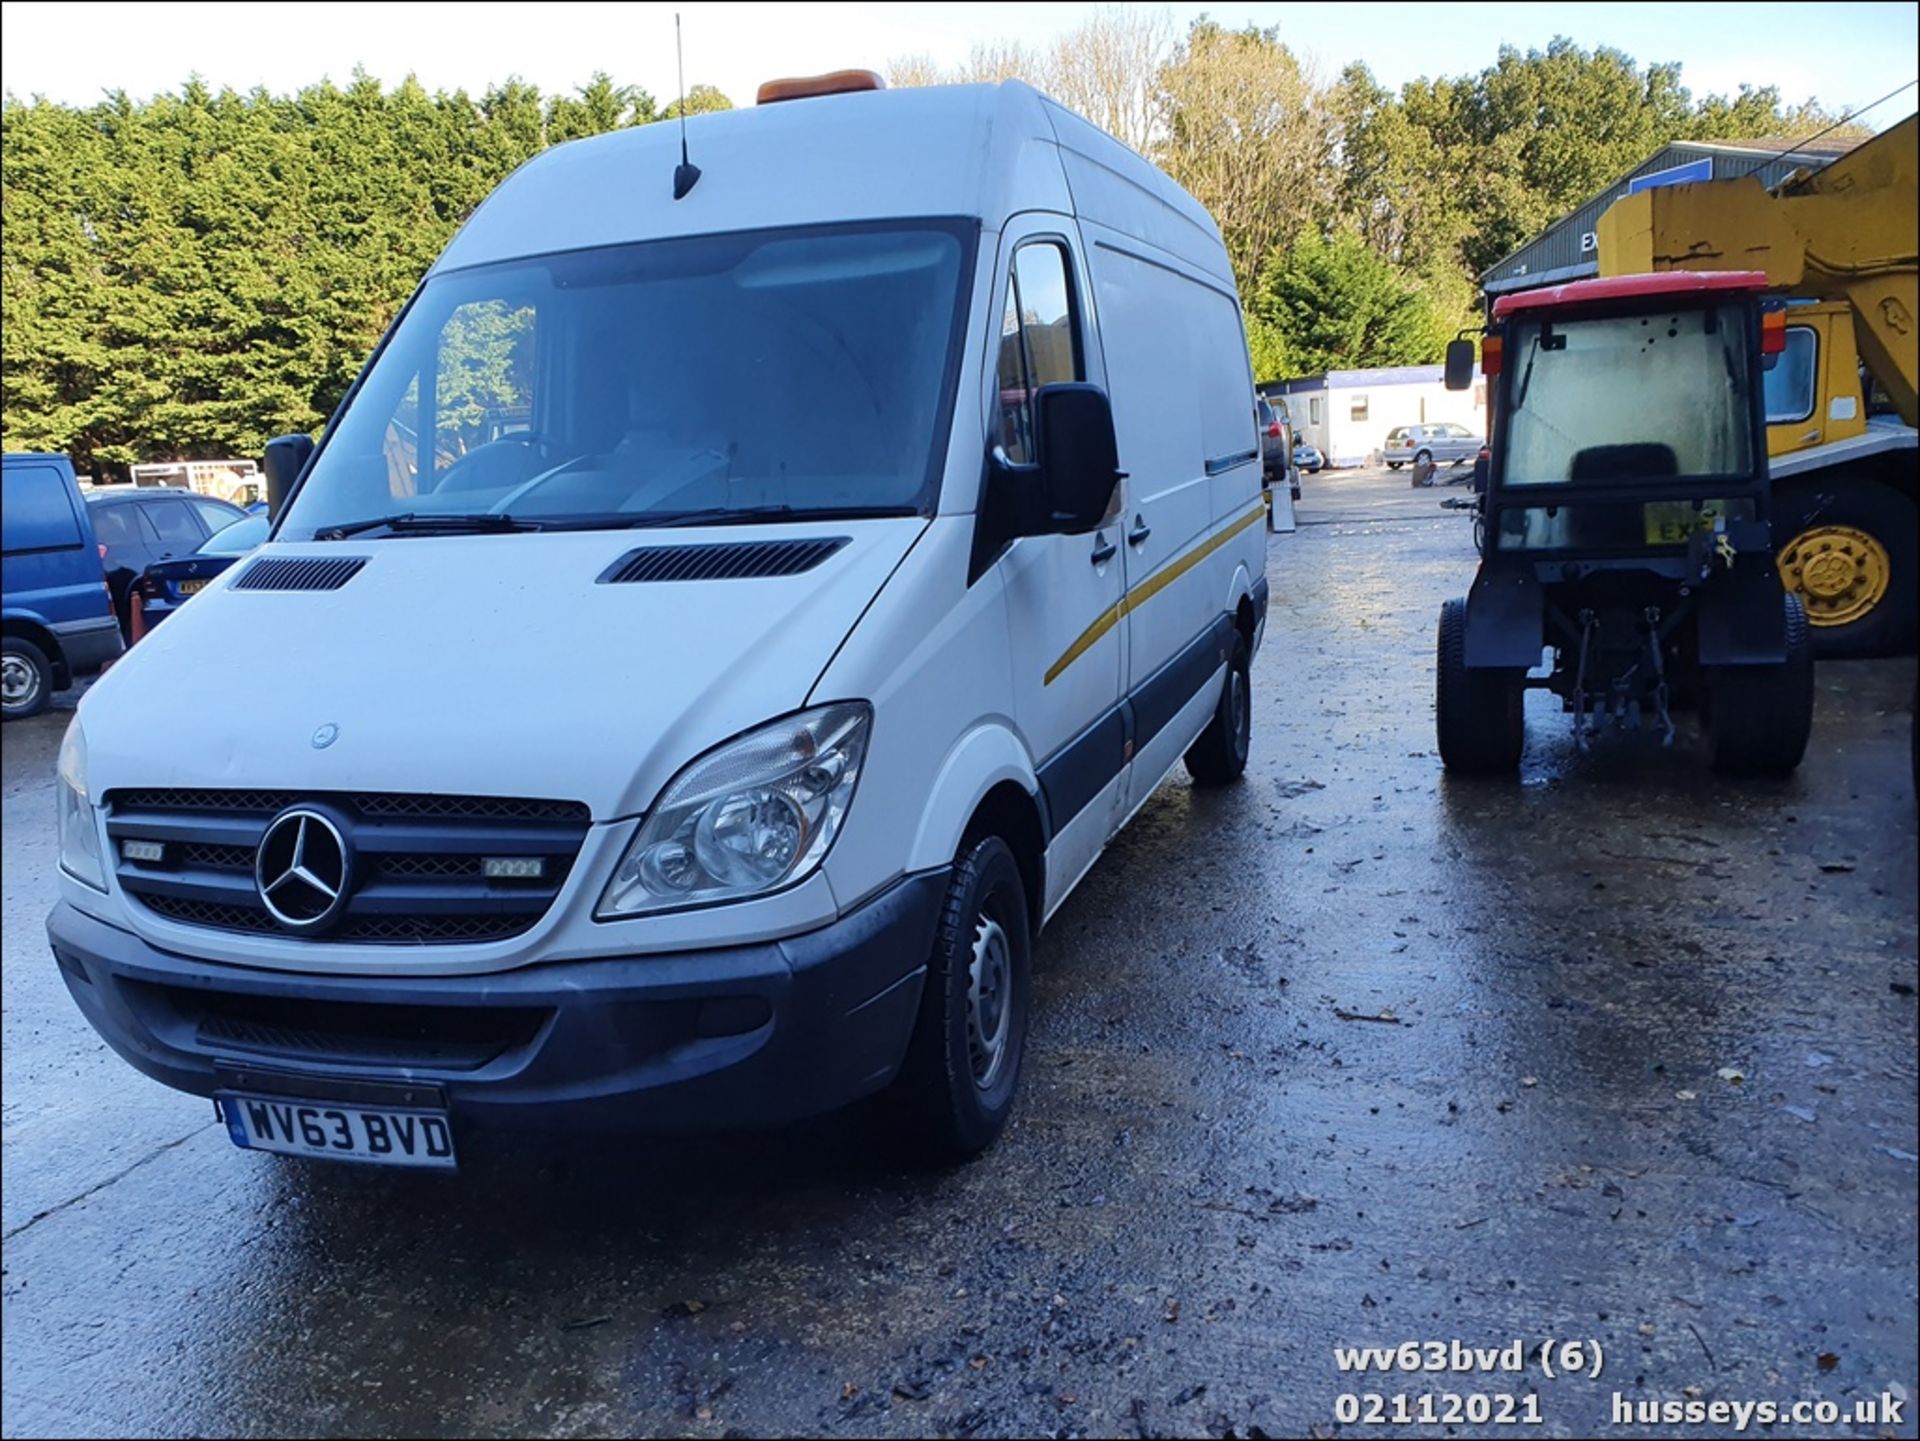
{"x": 839, "y": 82}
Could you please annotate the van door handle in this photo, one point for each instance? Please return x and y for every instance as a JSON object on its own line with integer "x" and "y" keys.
{"x": 1104, "y": 552}
{"x": 1141, "y": 530}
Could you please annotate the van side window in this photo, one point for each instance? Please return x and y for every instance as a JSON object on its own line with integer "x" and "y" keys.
{"x": 1313, "y": 410}
{"x": 1039, "y": 342}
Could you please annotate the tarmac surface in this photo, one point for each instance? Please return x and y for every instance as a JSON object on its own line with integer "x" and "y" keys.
{"x": 1619, "y": 1054}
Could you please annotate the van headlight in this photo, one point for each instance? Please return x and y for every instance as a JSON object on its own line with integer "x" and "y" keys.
{"x": 756, "y": 814}
{"x": 78, "y": 830}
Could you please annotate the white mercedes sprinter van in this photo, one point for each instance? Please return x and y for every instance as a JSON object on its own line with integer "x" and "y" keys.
{"x": 710, "y": 639}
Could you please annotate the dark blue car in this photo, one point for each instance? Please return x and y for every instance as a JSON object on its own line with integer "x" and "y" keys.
{"x": 57, "y": 613}
{"x": 169, "y": 584}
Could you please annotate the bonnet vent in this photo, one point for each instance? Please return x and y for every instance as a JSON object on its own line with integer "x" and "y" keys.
{"x": 740, "y": 560}
{"x": 300, "y": 572}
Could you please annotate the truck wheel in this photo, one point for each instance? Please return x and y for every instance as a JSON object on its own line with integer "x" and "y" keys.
{"x": 1851, "y": 555}
{"x": 26, "y": 680}
{"x": 1759, "y": 716}
{"x": 1219, "y": 755}
{"x": 1479, "y": 713}
{"x": 956, "y": 1087}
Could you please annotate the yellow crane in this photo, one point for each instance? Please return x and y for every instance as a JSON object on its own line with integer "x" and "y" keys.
{"x": 1838, "y": 247}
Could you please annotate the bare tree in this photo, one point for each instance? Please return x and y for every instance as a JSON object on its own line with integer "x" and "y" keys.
{"x": 906, "y": 71}
{"x": 1108, "y": 69}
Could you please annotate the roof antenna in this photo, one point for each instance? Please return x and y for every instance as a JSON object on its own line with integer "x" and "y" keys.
{"x": 686, "y": 174}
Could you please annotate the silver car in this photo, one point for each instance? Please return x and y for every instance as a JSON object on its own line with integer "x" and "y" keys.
{"x": 1441, "y": 440}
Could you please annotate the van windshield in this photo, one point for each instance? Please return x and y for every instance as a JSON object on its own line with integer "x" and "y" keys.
{"x": 1629, "y": 399}
{"x": 799, "y": 371}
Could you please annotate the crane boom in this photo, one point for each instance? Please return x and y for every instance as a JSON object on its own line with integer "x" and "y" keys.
{"x": 1846, "y": 233}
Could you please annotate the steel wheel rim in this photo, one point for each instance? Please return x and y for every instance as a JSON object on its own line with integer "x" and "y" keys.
{"x": 989, "y": 1001}
{"x": 19, "y": 682}
{"x": 1839, "y": 572}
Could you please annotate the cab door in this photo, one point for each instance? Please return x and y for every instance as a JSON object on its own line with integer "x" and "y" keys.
{"x": 1063, "y": 592}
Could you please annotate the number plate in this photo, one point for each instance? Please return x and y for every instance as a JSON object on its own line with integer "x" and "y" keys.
{"x": 338, "y": 1132}
{"x": 188, "y": 587}
{"x": 1671, "y": 522}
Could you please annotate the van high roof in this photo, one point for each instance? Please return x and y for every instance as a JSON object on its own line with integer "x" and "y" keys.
{"x": 975, "y": 150}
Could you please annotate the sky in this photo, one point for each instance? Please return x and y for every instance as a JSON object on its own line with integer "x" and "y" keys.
{"x": 1844, "y": 55}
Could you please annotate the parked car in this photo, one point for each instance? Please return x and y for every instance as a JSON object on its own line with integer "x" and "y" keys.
{"x": 1307, "y": 457}
{"x": 1412, "y": 444}
{"x": 168, "y": 584}
{"x": 856, "y": 681}
{"x": 56, "y": 614}
{"x": 142, "y": 524}
{"x": 1276, "y": 445}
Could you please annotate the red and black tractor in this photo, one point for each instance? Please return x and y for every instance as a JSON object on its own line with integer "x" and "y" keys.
{"x": 1625, "y": 527}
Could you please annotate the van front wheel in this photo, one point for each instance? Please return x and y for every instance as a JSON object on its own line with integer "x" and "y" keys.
{"x": 1219, "y": 755}
{"x": 26, "y": 680}
{"x": 956, "y": 1087}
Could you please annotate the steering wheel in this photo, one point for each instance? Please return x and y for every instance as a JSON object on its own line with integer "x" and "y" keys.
{"x": 534, "y": 441}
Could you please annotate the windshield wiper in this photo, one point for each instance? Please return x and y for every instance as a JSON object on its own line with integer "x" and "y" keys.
{"x": 732, "y": 515}
{"x": 410, "y": 523}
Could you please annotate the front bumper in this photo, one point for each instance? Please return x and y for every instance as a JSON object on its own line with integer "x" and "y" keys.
{"x": 704, "y": 1040}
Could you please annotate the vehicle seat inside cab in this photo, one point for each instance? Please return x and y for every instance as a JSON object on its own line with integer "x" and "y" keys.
{"x": 1642, "y": 460}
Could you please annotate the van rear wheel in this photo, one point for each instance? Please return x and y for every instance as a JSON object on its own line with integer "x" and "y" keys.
{"x": 1759, "y": 717}
{"x": 956, "y": 1087}
{"x": 26, "y": 679}
{"x": 1479, "y": 714}
{"x": 1219, "y": 756}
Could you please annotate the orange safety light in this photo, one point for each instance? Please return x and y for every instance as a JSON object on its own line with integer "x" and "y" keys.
{"x": 1773, "y": 332}
{"x": 1490, "y": 355}
{"x": 839, "y": 82}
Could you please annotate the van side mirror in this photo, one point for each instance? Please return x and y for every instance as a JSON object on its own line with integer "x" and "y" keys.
{"x": 1480, "y": 467}
{"x": 286, "y": 457}
{"x": 1079, "y": 456}
{"x": 1460, "y": 358}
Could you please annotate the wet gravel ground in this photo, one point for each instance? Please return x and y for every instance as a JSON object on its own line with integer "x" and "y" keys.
{"x": 1347, "y": 1055}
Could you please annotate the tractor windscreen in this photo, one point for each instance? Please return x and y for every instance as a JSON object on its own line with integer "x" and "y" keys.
{"x": 1629, "y": 399}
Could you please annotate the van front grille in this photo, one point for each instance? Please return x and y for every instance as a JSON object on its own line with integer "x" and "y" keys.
{"x": 416, "y": 875}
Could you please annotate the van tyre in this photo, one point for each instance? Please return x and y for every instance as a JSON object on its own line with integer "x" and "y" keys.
{"x": 1480, "y": 714}
{"x": 1760, "y": 716}
{"x": 26, "y": 679}
{"x": 956, "y": 1086}
{"x": 1219, "y": 756}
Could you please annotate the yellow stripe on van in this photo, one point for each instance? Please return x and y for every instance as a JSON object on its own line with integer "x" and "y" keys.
{"x": 1147, "y": 589}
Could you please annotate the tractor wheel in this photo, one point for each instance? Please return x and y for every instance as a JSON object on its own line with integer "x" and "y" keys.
{"x": 1850, "y": 553}
{"x": 1478, "y": 713}
{"x": 1759, "y": 716}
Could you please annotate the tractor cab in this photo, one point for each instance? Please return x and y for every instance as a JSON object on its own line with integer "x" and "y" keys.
{"x": 1624, "y": 526}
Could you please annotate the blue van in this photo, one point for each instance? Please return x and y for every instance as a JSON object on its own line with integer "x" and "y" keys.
{"x": 56, "y": 613}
